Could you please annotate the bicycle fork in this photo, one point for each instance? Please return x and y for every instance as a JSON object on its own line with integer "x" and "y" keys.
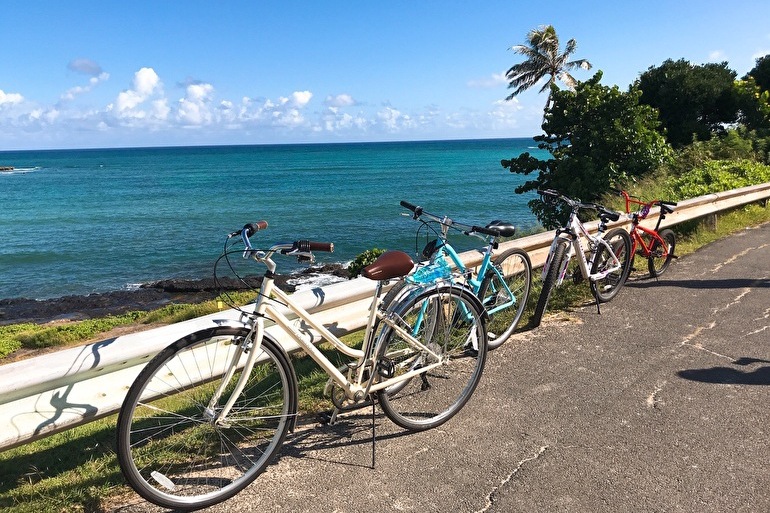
{"x": 250, "y": 346}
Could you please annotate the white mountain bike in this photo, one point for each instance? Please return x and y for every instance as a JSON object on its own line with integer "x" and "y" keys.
{"x": 609, "y": 254}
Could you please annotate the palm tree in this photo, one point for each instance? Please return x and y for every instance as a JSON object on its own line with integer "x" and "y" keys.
{"x": 543, "y": 59}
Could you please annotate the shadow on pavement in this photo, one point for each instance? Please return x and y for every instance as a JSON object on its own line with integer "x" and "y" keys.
{"x": 737, "y": 283}
{"x": 729, "y": 375}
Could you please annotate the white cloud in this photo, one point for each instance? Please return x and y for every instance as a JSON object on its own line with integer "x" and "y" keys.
{"x": 393, "y": 120}
{"x": 146, "y": 83}
{"x": 760, "y": 53}
{"x": 301, "y": 98}
{"x": 341, "y": 100}
{"x": 194, "y": 109}
{"x": 494, "y": 80}
{"x": 717, "y": 55}
{"x": 10, "y": 98}
{"x": 71, "y": 93}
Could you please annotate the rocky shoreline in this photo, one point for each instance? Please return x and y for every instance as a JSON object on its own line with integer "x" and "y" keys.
{"x": 148, "y": 297}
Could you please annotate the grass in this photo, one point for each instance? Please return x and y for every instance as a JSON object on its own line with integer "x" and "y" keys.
{"x": 35, "y": 336}
{"x": 77, "y": 470}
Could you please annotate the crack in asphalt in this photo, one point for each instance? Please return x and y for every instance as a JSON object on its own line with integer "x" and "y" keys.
{"x": 490, "y": 499}
{"x": 737, "y": 256}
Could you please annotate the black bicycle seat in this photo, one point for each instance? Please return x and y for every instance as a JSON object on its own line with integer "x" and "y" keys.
{"x": 503, "y": 228}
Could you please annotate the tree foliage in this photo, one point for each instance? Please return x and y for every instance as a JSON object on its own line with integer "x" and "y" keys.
{"x": 692, "y": 101}
{"x": 753, "y": 105}
{"x": 543, "y": 59}
{"x": 761, "y": 73}
{"x": 597, "y": 135}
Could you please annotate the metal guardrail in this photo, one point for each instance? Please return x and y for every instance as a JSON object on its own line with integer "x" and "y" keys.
{"x": 54, "y": 392}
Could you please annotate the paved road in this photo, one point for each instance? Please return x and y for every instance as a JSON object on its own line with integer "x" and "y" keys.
{"x": 661, "y": 403}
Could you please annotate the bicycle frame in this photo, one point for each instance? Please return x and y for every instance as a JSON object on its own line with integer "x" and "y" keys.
{"x": 638, "y": 241}
{"x": 575, "y": 231}
{"x": 271, "y": 297}
{"x": 474, "y": 281}
{"x": 636, "y": 217}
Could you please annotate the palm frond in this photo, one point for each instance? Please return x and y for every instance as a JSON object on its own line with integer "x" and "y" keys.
{"x": 543, "y": 58}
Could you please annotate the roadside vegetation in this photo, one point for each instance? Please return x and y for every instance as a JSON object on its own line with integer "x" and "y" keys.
{"x": 599, "y": 137}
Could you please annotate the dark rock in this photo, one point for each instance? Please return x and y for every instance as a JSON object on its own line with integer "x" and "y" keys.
{"x": 148, "y": 297}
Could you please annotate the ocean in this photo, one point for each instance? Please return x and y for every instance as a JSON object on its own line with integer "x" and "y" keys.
{"x": 75, "y": 222}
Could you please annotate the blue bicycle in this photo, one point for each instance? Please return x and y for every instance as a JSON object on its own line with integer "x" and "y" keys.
{"x": 502, "y": 285}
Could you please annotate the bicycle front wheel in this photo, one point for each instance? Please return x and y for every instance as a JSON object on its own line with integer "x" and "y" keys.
{"x": 607, "y": 287}
{"x": 504, "y": 293}
{"x": 555, "y": 265}
{"x": 448, "y": 324}
{"x": 173, "y": 448}
{"x": 661, "y": 254}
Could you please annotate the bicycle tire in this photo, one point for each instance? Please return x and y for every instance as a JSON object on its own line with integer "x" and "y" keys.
{"x": 607, "y": 288}
{"x": 169, "y": 449}
{"x": 660, "y": 257}
{"x": 549, "y": 281}
{"x": 454, "y": 323}
{"x": 515, "y": 268}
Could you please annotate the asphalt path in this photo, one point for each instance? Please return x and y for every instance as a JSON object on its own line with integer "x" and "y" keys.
{"x": 659, "y": 404}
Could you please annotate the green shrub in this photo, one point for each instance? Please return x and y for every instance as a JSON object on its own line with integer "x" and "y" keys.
{"x": 718, "y": 175}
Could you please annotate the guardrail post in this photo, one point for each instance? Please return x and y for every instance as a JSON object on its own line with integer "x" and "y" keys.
{"x": 711, "y": 221}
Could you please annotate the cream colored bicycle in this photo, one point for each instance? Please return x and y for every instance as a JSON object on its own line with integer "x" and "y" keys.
{"x": 208, "y": 414}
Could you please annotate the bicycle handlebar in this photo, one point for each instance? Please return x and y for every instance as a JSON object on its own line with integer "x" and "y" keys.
{"x": 665, "y": 205}
{"x": 446, "y": 221}
{"x": 604, "y": 212}
{"x": 298, "y": 246}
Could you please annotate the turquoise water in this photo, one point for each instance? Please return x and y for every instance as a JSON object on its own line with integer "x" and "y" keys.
{"x": 83, "y": 221}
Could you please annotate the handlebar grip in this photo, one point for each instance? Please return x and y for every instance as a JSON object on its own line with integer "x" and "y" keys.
{"x": 414, "y": 208}
{"x": 309, "y": 245}
{"x": 252, "y": 228}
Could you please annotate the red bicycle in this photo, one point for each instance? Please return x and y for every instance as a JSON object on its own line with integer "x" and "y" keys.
{"x": 656, "y": 246}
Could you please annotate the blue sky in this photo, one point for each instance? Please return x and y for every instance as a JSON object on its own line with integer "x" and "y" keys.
{"x": 80, "y": 74}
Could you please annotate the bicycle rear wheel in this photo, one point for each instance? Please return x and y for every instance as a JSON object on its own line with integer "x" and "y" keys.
{"x": 661, "y": 254}
{"x": 449, "y": 322}
{"x": 606, "y": 288}
{"x": 504, "y": 293}
{"x": 170, "y": 448}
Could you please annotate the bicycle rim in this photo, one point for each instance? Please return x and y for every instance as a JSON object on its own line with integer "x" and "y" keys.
{"x": 448, "y": 321}
{"x": 169, "y": 448}
{"x": 504, "y": 293}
